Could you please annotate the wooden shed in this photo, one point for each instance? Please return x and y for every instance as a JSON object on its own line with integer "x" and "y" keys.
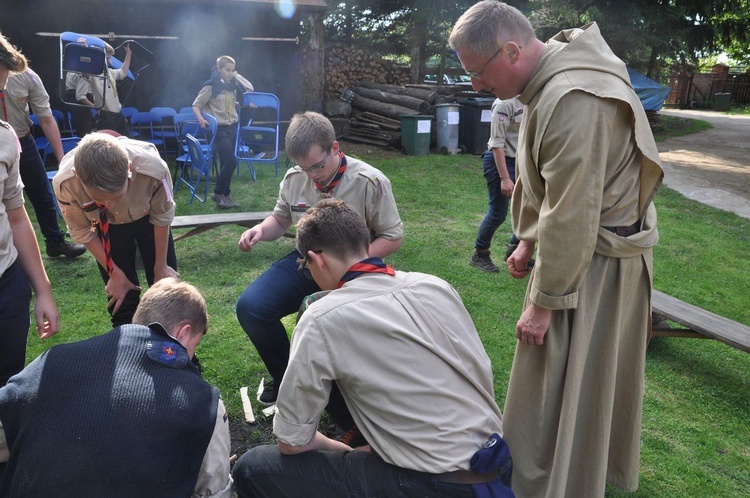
{"x": 186, "y": 37}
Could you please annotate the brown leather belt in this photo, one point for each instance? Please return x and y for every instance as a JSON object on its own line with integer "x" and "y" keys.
{"x": 25, "y": 136}
{"x": 466, "y": 477}
{"x": 625, "y": 231}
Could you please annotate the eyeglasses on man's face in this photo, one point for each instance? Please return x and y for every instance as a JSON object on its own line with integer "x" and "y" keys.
{"x": 478, "y": 74}
{"x": 302, "y": 262}
{"x": 320, "y": 165}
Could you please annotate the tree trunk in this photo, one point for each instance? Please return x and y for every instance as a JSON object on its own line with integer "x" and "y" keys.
{"x": 314, "y": 82}
{"x": 391, "y": 98}
{"x": 392, "y": 111}
{"x": 427, "y": 95}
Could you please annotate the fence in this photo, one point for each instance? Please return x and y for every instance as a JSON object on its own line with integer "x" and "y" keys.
{"x": 691, "y": 89}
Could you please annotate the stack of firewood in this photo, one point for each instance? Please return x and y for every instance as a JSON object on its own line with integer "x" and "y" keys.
{"x": 377, "y": 110}
{"x": 345, "y": 67}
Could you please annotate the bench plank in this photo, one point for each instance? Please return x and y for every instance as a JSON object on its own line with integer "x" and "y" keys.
{"x": 701, "y": 321}
{"x": 203, "y": 222}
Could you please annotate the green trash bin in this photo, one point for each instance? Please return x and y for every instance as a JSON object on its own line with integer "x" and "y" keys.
{"x": 722, "y": 101}
{"x": 415, "y": 134}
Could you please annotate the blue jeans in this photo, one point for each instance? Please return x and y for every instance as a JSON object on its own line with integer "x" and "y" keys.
{"x": 278, "y": 292}
{"x": 15, "y": 297}
{"x": 39, "y": 191}
{"x": 224, "y": 146}
{"x": 498, "y": 203}
{"x": 264, "y": 472}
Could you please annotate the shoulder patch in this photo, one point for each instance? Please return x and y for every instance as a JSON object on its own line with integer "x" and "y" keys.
{"x": 167, "y": 353}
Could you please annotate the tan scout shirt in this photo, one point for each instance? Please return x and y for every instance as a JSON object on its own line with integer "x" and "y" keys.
{"x": 505, "y": 125}
{"x": 111, "y": 99}
{"x": 25, "y": 89}
{"x": 366, "y": 189}
{"x": 223, "y": 107}
{"x": 149, "y": 193}
{"x": 11, "y": 192}
{"x": 407, "y": 358}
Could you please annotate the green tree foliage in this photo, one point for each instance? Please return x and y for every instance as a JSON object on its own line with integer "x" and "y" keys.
{"x": 417, "y": 29}
{"x": 648, "y": 33}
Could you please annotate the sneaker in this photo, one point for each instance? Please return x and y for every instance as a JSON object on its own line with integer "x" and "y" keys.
{"x": 511, "y": 247}
{"x": 269, "y": 394}
{"x": 64, "y": 248}
{"x": 230, "y": 202}
{"x": 483, "y": 262}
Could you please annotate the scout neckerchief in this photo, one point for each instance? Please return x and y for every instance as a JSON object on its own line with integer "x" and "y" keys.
{"x": 104, "y": 236}
{"x": 326, "y": 189}
{"x": 369, "y": 265}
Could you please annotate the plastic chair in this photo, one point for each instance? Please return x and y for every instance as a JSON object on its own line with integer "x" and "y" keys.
{"x": 185, "y": 109}
{"x": 41, "y": 141}
{"x": 258, "y": 141}
{"x": 128, "y": 112}
{"x": 146, "y": 125}
{"x": 205, "y": 138}
{"x": 62, "y": 123}
{"x": 199, "y": 170}
{"x": 68, "y": 143}
{"x": 168, "y": 133}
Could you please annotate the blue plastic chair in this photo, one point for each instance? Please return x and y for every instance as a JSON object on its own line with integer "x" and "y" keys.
{"x": 205, "y": 138}
{"x": 168, "y": 133}
{"x": 195, "y": 170}
{"x": 146, "y": 125}
{"x": 68, "y": 143}
{"x": 185, "y": 109}
{"x": 258, "y": 141}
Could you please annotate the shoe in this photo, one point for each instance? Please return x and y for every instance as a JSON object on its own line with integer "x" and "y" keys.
{"x": 224, "y": 201}
{"x": 483, "y": 262}
{"x": 511, "y": 247}
{"x": 64, "y": 248}
{"x": 269, "y": 394}
{"x": 230, "y": 202}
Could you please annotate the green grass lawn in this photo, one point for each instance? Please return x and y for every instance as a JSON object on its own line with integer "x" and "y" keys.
{"x": 696, "y": 420}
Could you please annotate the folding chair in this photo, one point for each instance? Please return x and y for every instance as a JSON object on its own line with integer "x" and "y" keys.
{"x": 185, "y": 109}
{"x": 128, "y": 111}
{"x": 199, "y": 169}
{"x": 258, "y": 140}
{"x": 205, "y": 137}
{"x": 145, "y": 126}
{"x": 68, "y": 143}
{"x": 41, "y": 141}
{"x": 168, "y": 133}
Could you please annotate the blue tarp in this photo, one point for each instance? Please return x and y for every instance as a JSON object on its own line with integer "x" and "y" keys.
{"x": 651, "y": 93}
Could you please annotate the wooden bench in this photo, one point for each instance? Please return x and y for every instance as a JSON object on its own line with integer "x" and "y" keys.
{"x": 203, "y": 222}
{"x": 698, "y": 322}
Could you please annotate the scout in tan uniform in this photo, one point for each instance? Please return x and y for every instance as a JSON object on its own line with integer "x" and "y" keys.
{"x": 404, "y": 353}
{"x": 116, "y": 193}
{"x": 220, "y": 96}
{"x": 25, "y": 93}
{"x": 588, "y": 170}
{"x": 21, "y": 267}
{"x": 105, "y": 95}
{"x": 322, "y": 171}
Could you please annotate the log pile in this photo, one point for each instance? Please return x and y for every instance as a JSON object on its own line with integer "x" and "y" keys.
{"x": 377, "y": 110}
{"x": 345, "y": 67}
